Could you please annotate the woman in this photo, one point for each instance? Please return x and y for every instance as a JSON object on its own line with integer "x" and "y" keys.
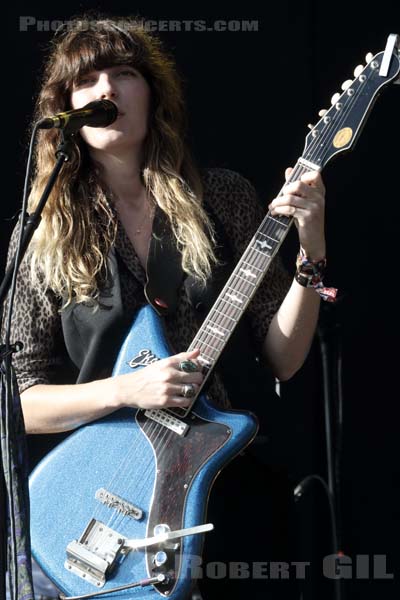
{"x": 125, "y": 187}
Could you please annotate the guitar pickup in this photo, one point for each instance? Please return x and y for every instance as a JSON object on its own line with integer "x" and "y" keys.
{"x": 167, "y": 420}
{"x": 117, "y": 503}
{"x": 94, "y": 555}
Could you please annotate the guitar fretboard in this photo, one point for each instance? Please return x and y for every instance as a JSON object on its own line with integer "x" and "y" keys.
{"x": 241, "y": 286}
{"x": 335, "y": 132}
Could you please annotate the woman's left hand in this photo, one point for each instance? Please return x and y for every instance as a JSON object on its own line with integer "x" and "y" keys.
{"x": 305, "y": 201}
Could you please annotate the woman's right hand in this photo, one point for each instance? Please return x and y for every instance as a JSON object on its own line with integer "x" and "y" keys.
{"x": 55, "y": 408}
{"x": 158, "y": 385}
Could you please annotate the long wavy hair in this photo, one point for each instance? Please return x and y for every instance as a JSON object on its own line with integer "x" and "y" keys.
{"x": 78, "y": 225}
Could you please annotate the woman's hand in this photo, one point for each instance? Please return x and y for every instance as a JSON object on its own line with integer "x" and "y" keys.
{"x": 305, "y": 201}
{"x": 160, "y": 384}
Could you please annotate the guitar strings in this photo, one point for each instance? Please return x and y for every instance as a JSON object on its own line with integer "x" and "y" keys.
{"x": 157, "y": 434}
{"x": 268, "y": 226}
{"x": 243, "y": 286}
{"x": 158, "y": 441}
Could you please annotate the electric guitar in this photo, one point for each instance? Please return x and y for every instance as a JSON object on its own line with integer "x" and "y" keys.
{"x": 119, "y": 507}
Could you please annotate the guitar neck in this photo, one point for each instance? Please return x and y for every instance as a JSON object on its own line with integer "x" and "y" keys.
{"x": 336, "y": 132}
{"x": 243, "y": 283}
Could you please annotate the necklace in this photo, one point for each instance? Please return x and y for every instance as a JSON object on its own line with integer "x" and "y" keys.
{"x": 149, "y": 213}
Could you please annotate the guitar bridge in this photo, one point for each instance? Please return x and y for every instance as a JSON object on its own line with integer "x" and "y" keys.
{"x": 94, "y": 555}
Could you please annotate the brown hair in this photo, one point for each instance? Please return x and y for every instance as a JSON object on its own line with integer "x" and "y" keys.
{"x": 78, "y": 227}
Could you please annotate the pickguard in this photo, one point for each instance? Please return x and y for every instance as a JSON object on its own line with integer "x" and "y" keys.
{"x": 179, "y": 459}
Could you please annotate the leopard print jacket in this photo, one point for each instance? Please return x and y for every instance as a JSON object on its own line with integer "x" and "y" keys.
{"x": 37, "y": 320}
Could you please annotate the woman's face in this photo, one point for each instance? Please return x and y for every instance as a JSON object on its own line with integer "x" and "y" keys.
{"x": 128, "y": 89}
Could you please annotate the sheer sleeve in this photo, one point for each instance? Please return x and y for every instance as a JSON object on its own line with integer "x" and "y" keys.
{"x": 36, "y": 323}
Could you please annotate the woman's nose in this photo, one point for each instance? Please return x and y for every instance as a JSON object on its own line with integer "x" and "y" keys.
{"x": 106, "y": 87}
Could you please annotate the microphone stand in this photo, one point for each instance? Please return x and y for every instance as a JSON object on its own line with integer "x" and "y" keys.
{"x": 11, "y": 400}
{"x": 329, "y": 337}
{"x": 3, "y": 533}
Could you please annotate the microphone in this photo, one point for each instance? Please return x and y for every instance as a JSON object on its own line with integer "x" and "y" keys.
{"x": 98, "y": 113}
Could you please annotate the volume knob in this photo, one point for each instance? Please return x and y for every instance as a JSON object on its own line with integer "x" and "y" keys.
{"x": 160, "y": 558}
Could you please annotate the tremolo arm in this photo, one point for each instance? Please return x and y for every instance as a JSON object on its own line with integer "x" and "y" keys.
{"x": 95, "y": 554}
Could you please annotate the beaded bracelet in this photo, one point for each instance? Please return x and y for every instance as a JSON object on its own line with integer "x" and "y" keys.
{"x": 309, "y": 274}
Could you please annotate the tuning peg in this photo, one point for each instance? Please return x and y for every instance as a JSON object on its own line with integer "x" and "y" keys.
{"x": 358, "y": 70}
{"x": 335, "y": 98}
{"x": 369, "y": 57}
{"x": 322, "y": 112}
{"x": 310, "y": 126}
{"x": 346, "y": 84}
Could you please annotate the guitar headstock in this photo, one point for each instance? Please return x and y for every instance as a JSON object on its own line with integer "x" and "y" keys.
{"x": 339, "y": 127}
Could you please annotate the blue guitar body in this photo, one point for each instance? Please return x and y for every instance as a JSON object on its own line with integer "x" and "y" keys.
{"x": 122, "y": 476}
{"x": 130, "y": 476}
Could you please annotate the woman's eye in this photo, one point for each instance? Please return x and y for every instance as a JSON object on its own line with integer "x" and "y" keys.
{"x": 83, "y": 81}
{"x": 127, "y": 72}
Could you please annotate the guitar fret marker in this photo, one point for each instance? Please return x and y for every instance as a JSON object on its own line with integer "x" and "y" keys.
{"x": 267, "y": 236}
{"x": 248, "y": 272}
{"x": 235, "y": 298}
{"x": 228, "y": 304}
{"x": 215, "y": 330}
{"x": 264, "y": 244}
{"x": 206, "y": 363}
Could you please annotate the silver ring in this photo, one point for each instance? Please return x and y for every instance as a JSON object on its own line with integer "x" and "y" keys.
{"x": 188, "y": 390}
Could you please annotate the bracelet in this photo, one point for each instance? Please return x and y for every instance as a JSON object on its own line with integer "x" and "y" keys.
{"x": 310, "y": 273}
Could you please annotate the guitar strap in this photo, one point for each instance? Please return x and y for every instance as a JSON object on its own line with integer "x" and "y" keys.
{"x": 164, "y": 267}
